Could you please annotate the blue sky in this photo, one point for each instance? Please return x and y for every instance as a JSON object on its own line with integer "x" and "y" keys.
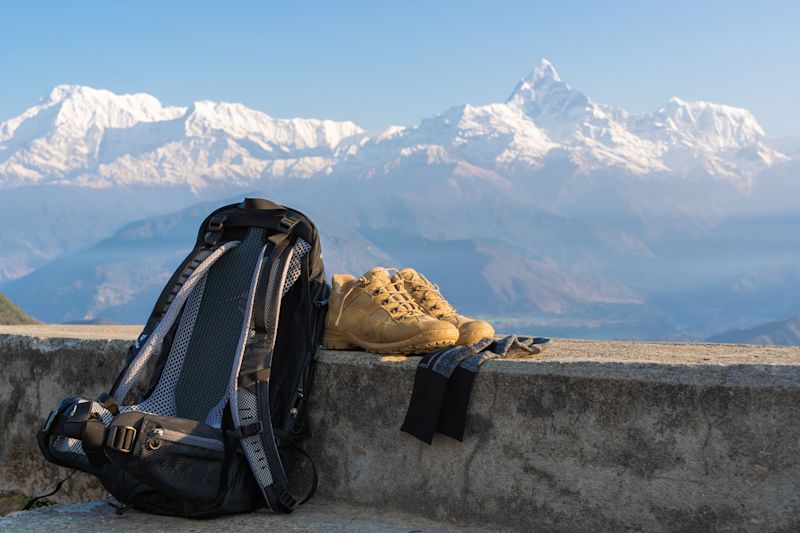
{"x": 381, "y": 63}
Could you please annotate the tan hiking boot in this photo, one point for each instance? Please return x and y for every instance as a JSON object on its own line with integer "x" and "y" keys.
{"x": 375, "y": 313}
{"x": 427, "y": 295}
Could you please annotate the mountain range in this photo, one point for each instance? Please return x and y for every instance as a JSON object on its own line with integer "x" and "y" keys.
{"x": 545, "y": 211}
{"x": 779, "y": 332}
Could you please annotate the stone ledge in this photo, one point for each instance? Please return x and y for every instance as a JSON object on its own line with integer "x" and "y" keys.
{"x": 316, "y": 516}
{"x": 587, "y": 436}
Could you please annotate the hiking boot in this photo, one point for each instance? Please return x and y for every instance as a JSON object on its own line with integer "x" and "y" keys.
{"x": 375, "y": 313}
{"x": 428, "y": 296}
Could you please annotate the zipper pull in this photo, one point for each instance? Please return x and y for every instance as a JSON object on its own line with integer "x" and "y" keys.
{"x": 153, "y": 438}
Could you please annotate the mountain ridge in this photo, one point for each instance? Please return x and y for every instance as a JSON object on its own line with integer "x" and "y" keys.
{"x": 544, "y": 208}
{"x": 779, "y": 332}
{"x": 60, "y": 139}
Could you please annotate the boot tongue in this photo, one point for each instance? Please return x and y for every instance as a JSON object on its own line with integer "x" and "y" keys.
{"x": 410, "y": 274}
{"x": 435, "y": 298}
{"x": 377, "y": 275}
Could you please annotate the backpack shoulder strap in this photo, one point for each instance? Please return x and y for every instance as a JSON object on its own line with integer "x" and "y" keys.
{"x": 252, "y": 395}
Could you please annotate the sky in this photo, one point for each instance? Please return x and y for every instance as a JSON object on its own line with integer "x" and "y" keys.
{"x": 384, "y": 63}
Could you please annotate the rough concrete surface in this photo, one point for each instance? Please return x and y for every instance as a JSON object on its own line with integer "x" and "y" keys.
{"x": 587, "y": 436}
{"x": 314, "y": 517}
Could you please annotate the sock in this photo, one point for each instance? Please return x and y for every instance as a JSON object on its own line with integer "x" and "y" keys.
{"x": 453, "y": 414}
{"x": 426, "y": 401}
{"x": 430, "y": 388}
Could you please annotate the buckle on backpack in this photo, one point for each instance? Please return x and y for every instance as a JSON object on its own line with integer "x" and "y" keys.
{"x": 214, "y": 229}
{"x": 287, "y": 499}
{"x": 216, "y": 222}
{"x": 120, "y": 438}
{"x": 286, "y": 224}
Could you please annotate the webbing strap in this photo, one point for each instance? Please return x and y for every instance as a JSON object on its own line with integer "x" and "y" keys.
{"x": 255, "y": 366}
{"x": 261, "y": 449}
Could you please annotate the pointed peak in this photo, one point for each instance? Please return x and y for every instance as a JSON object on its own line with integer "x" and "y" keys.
{"x": 543, "y": 81}
{"x": 544, "y": 71}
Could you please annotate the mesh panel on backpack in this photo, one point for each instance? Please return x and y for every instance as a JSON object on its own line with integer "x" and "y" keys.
{"x": 203, "y": 381}
{"x": 155, "y": 338}
{"x": 162, "y": 400}
{"x": 300, "y": 249}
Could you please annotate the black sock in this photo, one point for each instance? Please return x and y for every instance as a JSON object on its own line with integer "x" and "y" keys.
{"x": 453, "y": 413}
{"x": 426, "y": 401}
{"x": 430, "y": 388}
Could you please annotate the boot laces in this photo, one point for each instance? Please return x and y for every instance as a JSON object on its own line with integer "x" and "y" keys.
{"x": 393, "y": 297}
{"x": 431, "y": 297}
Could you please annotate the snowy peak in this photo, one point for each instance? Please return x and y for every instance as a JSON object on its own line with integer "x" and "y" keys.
{"x": 707, "y": 138}
{"x": 544, "y": 71}
{"x": 81, "y": 106}
{"x": 92, "y": 137}
{"x": 543, "y": 76}
{"x": 72, "y": 111}
{"x": 720, "y": 126}
{"x": 545, "y": 119}
{"x": 552, "y": 104}
{"x": 211, "y": 118}
{"x": 681, "y": 137}
{"x": 539, "y": 84}
{"x": 239, "y": 121}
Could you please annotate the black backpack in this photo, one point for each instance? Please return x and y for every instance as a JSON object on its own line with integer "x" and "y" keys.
{"x": 223, "y": 370}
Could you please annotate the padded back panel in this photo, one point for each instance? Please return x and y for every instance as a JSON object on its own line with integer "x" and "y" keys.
{"x": 218, "y": 329}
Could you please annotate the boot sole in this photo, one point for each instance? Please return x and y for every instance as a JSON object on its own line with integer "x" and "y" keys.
{"x": 424, "y": 342}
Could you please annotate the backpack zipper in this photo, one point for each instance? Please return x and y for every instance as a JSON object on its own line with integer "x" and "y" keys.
{"x": 156, "y": 435}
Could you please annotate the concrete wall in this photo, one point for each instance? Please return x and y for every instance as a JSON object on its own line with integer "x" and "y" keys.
{"x": 589, "y": 436}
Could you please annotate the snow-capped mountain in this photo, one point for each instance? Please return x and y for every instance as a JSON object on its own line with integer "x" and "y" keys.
{"x": 95, "y": 138}
{"x": 547, "y": 205}
{"x": 545, "y": 119}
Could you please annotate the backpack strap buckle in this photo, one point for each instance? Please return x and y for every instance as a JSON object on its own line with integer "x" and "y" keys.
{"x": 121, "y": 438}
{"x": 216, "y": 222}
{"x": 286, "y": 498}
{"x": 246, "y": 431}
{"x": 286, "y": 224}
{"x": 215, "y": 229}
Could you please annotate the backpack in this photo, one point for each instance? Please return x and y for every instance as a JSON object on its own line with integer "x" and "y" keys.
{"x": 223, "y": 371}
